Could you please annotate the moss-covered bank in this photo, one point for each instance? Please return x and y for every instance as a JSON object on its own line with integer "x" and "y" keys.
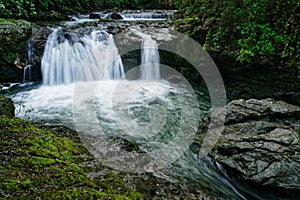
{"x": 41, "y": 163}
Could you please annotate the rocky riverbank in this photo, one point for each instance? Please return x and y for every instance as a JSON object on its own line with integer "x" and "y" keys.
{"x": 260, "y": 144}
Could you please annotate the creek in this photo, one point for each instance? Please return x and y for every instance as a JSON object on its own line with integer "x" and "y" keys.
{"x": 86, "y": 87}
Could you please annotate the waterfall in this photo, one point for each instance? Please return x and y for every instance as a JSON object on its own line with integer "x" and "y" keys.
{"x": 30, "y": 51}
{"x": 150, "y": 69}
{"x": 69, "y": 57}
{"x": 27, "y": 74}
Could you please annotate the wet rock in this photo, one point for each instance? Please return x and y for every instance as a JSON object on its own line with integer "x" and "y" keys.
{"x": 72, "y": 37}
{"x": 37, "y": 41}
{"x": 95, "y": 16}
{"x": 260, "y": 143}
{"x": 7, "y": 108}
{"x": 116, "y": 16}
{"x": 13, "y": 37}
{"x": 146, "y": 183}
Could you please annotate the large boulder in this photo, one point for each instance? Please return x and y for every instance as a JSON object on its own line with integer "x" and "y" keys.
{"x": 260, "y": 143}
{"x": 13, "y": 37}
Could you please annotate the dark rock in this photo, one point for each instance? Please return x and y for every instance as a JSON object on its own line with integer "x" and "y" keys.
{"x": 13, "y": 37}
{"x": 296, "y": 99}
{"x": 260, "y": 143}
{"x": 38, "y": 41}
{"x": 7, "y": 108}
{"x": 95, "y": 16}
{"x": 72, "y": 37}
{"x": 116, "y": 16}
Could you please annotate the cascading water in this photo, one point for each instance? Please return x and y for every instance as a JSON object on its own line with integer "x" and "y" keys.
{"x": 145, "y": 16}
{"x": 27, "y": 73}
{"x": 150, "y": 60}
{"x": 68, "y": 58}
{"x": 30, "y": 51}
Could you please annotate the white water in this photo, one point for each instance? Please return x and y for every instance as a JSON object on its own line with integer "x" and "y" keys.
{"x": 150, "y": 60}
{"x": 27, "y": 73}
{"x": 93, "y": 57}
{"x": 30, "y": 51}
{"x": 146, "y": 16}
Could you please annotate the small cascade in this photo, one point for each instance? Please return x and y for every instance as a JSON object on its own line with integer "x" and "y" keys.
{"x": 150, "y": 61}
{"x": 69, "y": 57}
{"x": 146, "y": 16}
{"x": 150, "y": 69}
{"x": 27, "y": 73}
{"x": 30, "y": 51}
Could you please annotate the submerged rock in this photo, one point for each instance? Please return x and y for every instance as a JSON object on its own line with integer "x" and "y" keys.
{"x": 260, "y": 143}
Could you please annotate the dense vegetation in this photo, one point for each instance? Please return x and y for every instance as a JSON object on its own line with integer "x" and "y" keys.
{"x": 31, "y": 8}
{"x": 251, "y": 30}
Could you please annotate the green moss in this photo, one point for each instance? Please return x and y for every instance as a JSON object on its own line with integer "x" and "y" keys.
{"x": 15, "y": 125}
{"x": 13, "y": 37}
{"x": 7, "y": 108}
{"x": 38, "y": 162}
{"x": 75, "y": 194}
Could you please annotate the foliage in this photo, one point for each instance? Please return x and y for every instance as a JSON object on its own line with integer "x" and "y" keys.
{"x": 31, "y": 8}
{"x": 250, "y": 29}
{"x": 17, "y": 8}
{"x": 292, "y": 48}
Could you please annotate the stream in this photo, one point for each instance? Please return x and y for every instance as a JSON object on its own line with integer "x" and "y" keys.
{"x": 87, "y": 88}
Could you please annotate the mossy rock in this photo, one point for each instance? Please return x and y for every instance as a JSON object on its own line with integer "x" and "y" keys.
{"x": 41, "y": 163}
{"x": 13, "y": 37}
{"x": 7, "y": 108}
